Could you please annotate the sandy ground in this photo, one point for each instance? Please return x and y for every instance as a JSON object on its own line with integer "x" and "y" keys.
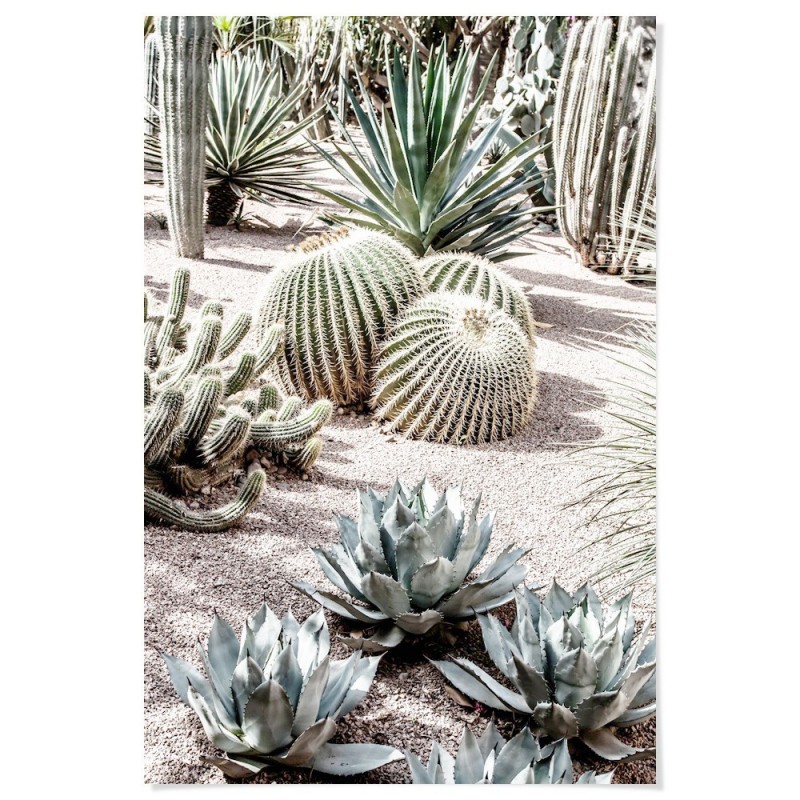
{"x": 527, "y": 480}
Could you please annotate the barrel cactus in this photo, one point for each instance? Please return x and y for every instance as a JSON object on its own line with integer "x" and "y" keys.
{"x": 464, "y": 273}
{"x": 274, "y": 697}
{"x": 407, "y": 557}
{"x": 490, "y": 759}
{"x": 576, "y": 671}
{"x": 455, "y": 369}
{"x": 336, "y": 300}
{"x": 203, "y": 411}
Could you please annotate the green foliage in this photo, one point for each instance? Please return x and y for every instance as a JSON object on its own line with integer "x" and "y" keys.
{"x": 490, "y": 759}
{"x": 455, "y": 369}
{"x": 274, "y": 697}
{"x": 575, "y": 670}
{"x": 199, "y": 419}
{"x": 406, "y": 557}
{"x": 421, "y": 179}
{"x": 336, "y": 301}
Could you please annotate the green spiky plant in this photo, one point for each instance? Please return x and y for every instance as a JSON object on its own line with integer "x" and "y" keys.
{"x": 183, "y": 48}
{"x": 489, "y": 758}
{"x": 455, "y": 369}
{"x": 275, "y": 696}
{"x": 336, "y": 300}
{"x": 150, "y": 83}
{"x": 575, "y": 670}
{"x": 464, "y": 273}
{"x": 253, "y": 149}
{"x": 604, "y": 153}
{"x": 421, "y": 178}
{"x": 203, "y": 411}
{"x": 406, "y": 558}
{"x": 622, "y": 489}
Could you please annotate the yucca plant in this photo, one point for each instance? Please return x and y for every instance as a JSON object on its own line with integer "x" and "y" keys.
{"x": 575, "y": 670}
{"x": 275, "y": 696}
{"x": 489, "y": 758}
{"x": 406, "y": 558}
{"x": 421, "y": 178}
{"x": 253, "y": 148}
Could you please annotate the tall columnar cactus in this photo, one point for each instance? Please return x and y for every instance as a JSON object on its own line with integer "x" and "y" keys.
{"x": 184, "y": 47}
{"x": 150, "y": 84}
{"x": 203, "y": 411}
{"x": 604, "y": 159}
{"x": 336, "y": 301}
{"x": 455, "y": 369}
{"x": 464, "y": 273}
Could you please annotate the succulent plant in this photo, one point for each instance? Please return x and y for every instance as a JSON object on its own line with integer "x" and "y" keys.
{"x": 576, "y": 671}
{"x": 407, "y": 557}
{"x": 455, "y": 369}
{"x": 150, "y": 84}
{"x": 203, "y": 411}
{"x": 336, "y": 300}
{"x": 421, "y": 180}
{"x": 490, "y": 759}
{"x": 274, "y": 697}
{"x": 184, "y": 45}
{"x": 464, "y": 273}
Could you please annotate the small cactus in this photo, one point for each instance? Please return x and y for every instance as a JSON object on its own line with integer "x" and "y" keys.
{"x": 455, "y": 369}
{"x": 336, "y": 300}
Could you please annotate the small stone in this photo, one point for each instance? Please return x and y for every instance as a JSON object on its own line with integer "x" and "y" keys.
{"x": 252, "y": 455}
{"x": 544, "y": 227}
{"x": 282, "y": 470}
{"x": 265, "y": 462}
{"x": 392, "y": 438}
{"x": 205, "y": 490}
{"x": 340, "y": 412}
{"x": 194, "y": 504}
{"x": 272, "y": 469}
{"x": 304, "y": 476}
{"x": 353, "y": 414}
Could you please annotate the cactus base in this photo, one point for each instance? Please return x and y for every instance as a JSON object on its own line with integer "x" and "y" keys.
{"x": 221, "y": 204}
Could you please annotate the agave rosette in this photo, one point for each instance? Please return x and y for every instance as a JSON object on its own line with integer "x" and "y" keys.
{"x": 489, "y": 758}
{"x": 576, "y": 670}
{"x": 406, "y": 557}
{"x": 275, "y": 696}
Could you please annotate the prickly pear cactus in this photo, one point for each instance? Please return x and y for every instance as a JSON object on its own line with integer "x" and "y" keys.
{"x": 455, "y": 369}
{"x": 336, "y": 300}
{"x": 204, "y": 411}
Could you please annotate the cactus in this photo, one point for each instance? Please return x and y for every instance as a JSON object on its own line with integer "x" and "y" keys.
{"x": 465, "y": 273}
{"x": 604, "y": 160}
{"x": 336, "y": 300}
{"x": 150, "y": 84}
{"x": 184, "y": 47}
{"x": 455, "y": 369}
{"x": 201, "y": 417}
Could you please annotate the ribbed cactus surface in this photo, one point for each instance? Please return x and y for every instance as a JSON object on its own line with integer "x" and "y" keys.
{"x": 455, "y": 369}
{"x": 464, "y": 273}
{"x": 150, "y": 84}
{"x": 184, "y": 47}
{"x": 336, "y": 301}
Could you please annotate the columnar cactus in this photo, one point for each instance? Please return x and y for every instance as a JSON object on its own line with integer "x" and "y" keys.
{"x": 184, "y": 47}
{"x": 455, "y": 369}
{"x": 150, "y": 84}
{"x": 336, "y": 300}
{"x": 464, "y": 273}
{"x": 202, "y": 412}
{"x": 604, "y": 160}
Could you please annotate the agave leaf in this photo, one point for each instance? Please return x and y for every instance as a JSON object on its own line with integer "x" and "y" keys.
{"x": 515, "y": 757}
{"x": 480, "y": 596}
{"x": 369, "y": 559}
{"x": 313, "y": 642}
{"x": 385, "y": 639}
{"x": 429, "y": 583}
{"x": 558, "y": 601}
{"x": 260, "y": 636}
{"x": 414, "y": 549}
{"x": 236, "y": 768}
{"x": 340, "y": 677}
{"x": 587, "y": 625}
{"x": 370, "y": 511}
{"x": 419, "y": 623}
{"x": 183, "y": 675}
{"x": 559, "y": 638}
{"x": 443, "y": 528}
{"x": 625, "y": 620}
{"x": 385, "y": 593}
{"x": 307, "y": 712}
{"x": 606, "y": 745}
{"x": 216, "y": 734}
{"x": 586, "y": 592}
{"x": 559, "y": 765}
{"x": 593, "y": 777}
{"x": 221, "y": 699}
{"x": 553, "y": 720}
{"x": 575, "y": 677}
{"x": 530, "y": 682}
{"x": 472, "y": 687}
{"x": 607, "y": 654}
{"x": 288, "y": 674}
{"x": 648, "y": 653}
{"x": 525, "y": 776}
{"x": 419, "y": 774}
{"x": 363, "y": 676}
{"x": 223, "y": 650}
{"x": 502, "y": 563}
{"x": 507, "y": 696}
{"x": 340, "y": 606}
{"x": 498, "y": 642}
{"x": 353, "y": 759}
{"x": 485, "y": 531}
{"x": 634, "y": 716}
{"x": 308, "y": 744}
{"x": 267, "y": 721}
{"x": 529, "y": 645}
{"x": 632, "y": 657}
{"x": 490, "y": 739}
{"x": 528, "y": 607}
{"x": 469, "y": 763}
{"x": 247, "y": 677}
{"x": 348, "y": 533}
{"x": 466, "y": 547}
{"x": 340, "y": 570}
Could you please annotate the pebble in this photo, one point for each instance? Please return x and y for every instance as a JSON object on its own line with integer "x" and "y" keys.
{"x": 282, "y": 470}
{"x": 544, "y": 227}
{"x": 205, "y": 490}
{"x": 340, "y": 412}
{"x": 265, "y": 462}
{"x": 304, "y": 476}
{"x": 353, "y": 414}
{"x": 194, "y": 504}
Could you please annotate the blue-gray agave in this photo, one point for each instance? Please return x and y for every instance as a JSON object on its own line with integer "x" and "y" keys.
{"x": 275, "y": 696}
{"x": 490, "y": 759}
{"x": 576, "y": 670}
{"x": 407, "y": 556}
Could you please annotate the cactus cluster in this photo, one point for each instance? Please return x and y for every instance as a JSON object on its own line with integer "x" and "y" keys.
{"x": 455, "y": 369}
{"x": 604, "y": 153}
{"x": 336, "y": 300}
{"x": 203, "y": 411}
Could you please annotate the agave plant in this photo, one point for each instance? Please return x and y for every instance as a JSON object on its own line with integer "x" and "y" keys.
{"x": 253, "y": 149}
{"x": 576, "y": 671}
{"x": 490, "y": 759}
{"x": 406, "y": 557}
{"x": 422, "y": 179}
{"x": 275, "y": 696}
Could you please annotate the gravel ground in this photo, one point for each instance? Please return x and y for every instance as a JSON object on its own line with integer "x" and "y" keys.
{"x": 526, "y": 479}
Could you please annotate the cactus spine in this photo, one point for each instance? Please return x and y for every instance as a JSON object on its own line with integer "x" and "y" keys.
{"x": 184, "y": 47}
{"x": 336, "y": 302}
{"x": 457, "y": 370}
{"x": 603, "y": 162}
{"x": 150, "y": 84}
